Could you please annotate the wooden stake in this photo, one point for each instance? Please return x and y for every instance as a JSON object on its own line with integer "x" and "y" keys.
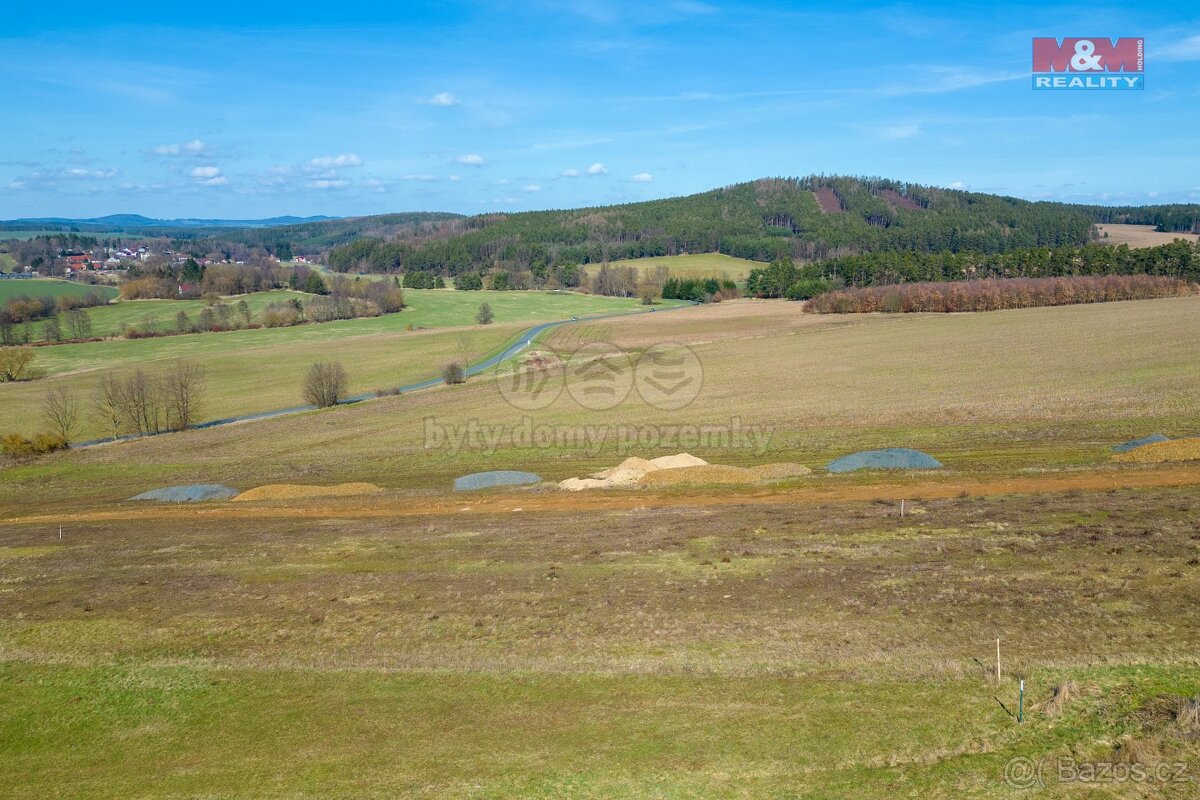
{"x": 902, "y": 508}
{"x": 997, "y": 660}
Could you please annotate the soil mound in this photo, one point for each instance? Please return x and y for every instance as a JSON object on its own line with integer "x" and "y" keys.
{"x": 781, "y": 471}
{"x": 188, "y": 493}
{"x": 293, "y": 491}
{"x": 1159, "y": 452}
{"x": 701, "y": 475}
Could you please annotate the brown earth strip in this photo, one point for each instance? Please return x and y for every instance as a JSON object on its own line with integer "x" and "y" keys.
{"x": 382, "y": 506}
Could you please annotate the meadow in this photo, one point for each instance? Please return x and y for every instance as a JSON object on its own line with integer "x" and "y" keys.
{"x": 802, "y": 640}
{"x": 791, "y": 650}
{"x": 260, "y": 370}
{"x": 1137, "y": 236}
{"x": 698, "y": 265}
{"x": 52, "y": 287}
{"x": 1067, "y": 383}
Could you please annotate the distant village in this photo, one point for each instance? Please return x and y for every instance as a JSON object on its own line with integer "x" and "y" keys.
{"x": 114, "y": 261}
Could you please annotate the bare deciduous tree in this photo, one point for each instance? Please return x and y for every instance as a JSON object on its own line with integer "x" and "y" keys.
{"x": 325, "y": 384}
{"x": 106, "y": 404}
{"x": 454, "y": 374}
{"x": 182, "y": 388}
{"x": 60, "y": 411}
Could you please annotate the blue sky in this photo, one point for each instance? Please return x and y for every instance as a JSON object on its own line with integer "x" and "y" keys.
{"x": 231, "y": 110}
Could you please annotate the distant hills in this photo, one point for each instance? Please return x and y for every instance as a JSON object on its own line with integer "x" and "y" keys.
{"x": 813, "y": 217}
{"x": 116, "y": 221}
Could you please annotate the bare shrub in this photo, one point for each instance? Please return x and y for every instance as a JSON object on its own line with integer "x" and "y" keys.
{"x": 454, "y": 374}
{"x": 325, "y": 384}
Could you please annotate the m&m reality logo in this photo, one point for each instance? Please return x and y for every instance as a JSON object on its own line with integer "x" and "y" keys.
{"x": 1094, "y": 62}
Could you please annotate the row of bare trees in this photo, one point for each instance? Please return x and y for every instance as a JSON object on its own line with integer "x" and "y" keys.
{"x": 141, "y": 403}
{"x": 993, "y": 294}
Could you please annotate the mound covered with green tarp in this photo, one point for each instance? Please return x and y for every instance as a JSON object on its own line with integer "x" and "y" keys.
{"x": 1134, "y": 444}
{"x": 490, "y": 480}
{"x": 890, "y": 458}
{"x": 191, "y": 493}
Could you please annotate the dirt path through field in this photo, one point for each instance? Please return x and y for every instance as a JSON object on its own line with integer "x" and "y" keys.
{"x": 823, "y": 490}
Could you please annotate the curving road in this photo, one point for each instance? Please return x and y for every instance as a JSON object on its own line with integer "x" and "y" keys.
{"x": 525, "y": 339}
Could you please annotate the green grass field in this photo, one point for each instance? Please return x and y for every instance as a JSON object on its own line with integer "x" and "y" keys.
{"x": 41, "y": 287}
{"x": 1068, "y": 383}
{"x": 7, "y": 263}
{"x": 25, "y": 235}
{"x": 114, "y": 319}
{"x": 700, "y": 265}
{"x": 260, "y": 370}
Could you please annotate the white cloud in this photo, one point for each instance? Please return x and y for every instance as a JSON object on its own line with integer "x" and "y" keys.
{"x": 329, "y": 184}
{"x": 571, "y": 173}
{"x": 642, "y": 177}
{"x": 89, "y": 174}
{"x": 1184, "y": 50}
{"x": 471, "y": 160}
{"x": 533, "y": 187}
{"x": 597, "y": 169}
{"x": 340, "y": 160}
{"x": 901, "y": 131}
{"x": 219, "y": 180}
{"x": 423, "y": 178}
{"x": 195, "y": 147}
{"x": 957, "y": 185}
{"x": 443, "y": 99}
{"x": 206, "y": 172}
{"x": 454, "y": 179}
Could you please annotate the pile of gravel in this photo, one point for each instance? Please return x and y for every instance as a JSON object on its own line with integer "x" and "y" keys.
{"x": 490, "y": 480}
{"x": 1133, "y": 444}
{"x": 890, "y": 458}
{"x": 190, "y": 493}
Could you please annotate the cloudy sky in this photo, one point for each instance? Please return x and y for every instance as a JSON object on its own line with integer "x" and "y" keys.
{"x": 232, "y": 111}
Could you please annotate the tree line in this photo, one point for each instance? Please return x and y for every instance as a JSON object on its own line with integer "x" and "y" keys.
{"x": 19, "y": 313}
{"x": 782, "y": 278}
{"x": 993, "y": 294}
{"x": 137, "y": 403}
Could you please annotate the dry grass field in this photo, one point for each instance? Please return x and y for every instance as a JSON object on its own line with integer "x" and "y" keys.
{"x": 801, "y": 640}
{"x": 1140, "y": 235}
{"x": 753, "y": 650}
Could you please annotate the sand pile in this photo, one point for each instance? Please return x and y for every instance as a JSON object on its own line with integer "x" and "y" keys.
{"x": 705, "y": 474}
{"x": 781, "y": 471}
{"x": 1175, "y": 450}
{"x": 630, "y": 472}
{"x": 189, "y": 493}
{"x": 292, "y": 491}
{"x": 677, "y": 461}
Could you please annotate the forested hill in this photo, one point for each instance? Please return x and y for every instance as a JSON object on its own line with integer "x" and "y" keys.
{"x": 805, "y": 218}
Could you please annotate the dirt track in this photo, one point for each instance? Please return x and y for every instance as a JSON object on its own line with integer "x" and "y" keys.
{"x": 828, "y": 490}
